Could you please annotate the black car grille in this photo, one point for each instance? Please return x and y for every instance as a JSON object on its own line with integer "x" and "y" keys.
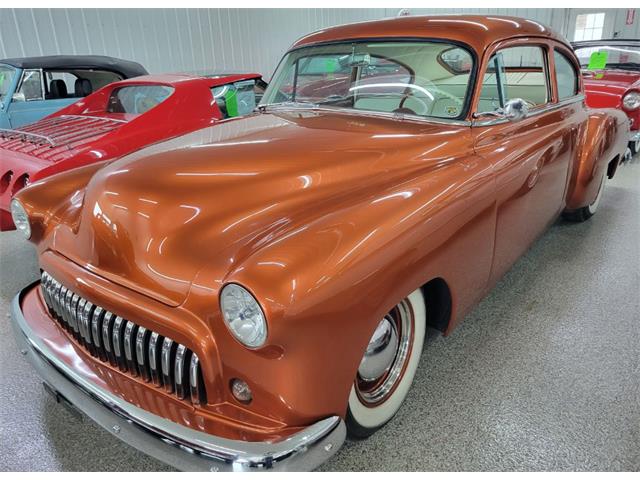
{"x": 131, "y": 348}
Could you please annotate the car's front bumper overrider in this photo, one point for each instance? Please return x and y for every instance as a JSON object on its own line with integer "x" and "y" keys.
{"x": 169, "y": 442}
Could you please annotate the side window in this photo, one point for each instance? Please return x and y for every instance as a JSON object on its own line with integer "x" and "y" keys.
{"x": 31, "y": 86}
{"x": 515, "y": 72}
{"x": 54, "y": 84}
{"x": 236, "y": 99}
{"x": 492, "y": 92}
{"x": 566, "y": 76}
{"x": 525, "y": 75}
{"x": 137, "y": 99}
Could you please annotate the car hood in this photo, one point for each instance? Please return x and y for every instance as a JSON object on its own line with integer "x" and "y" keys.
{"x": 211, "y": 198}
{"x": 618, "y": 81}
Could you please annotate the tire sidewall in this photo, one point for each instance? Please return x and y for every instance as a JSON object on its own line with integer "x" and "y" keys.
{"x": 371, "y": 418}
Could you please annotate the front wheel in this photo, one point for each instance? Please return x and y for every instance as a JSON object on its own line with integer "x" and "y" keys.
{"x": 589, "y": 211}
{"x": 388, "y": 366}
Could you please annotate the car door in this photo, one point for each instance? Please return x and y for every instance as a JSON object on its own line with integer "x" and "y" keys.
{"x": 32, "y": 100}
{"x": 530, "y": 156}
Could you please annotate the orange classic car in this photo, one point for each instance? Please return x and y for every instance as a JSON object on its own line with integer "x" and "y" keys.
{"x": 246, "y": 295}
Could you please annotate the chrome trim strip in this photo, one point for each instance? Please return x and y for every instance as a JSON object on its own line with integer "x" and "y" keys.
{"x": 63, "y": 304}
{"x": 165, "y": 360}
{"x": 538, "y": 111}
{"x": 178, "y": 371}
{"x": 154, "y": 341}
{"x": 96, "y": 326}
{"x": 107, "y": 321}
{"x": 129, "y": 339}
{"x": 194, "y": 381}
{"x": 85, "y": 315}
{"x": 116, "y": 336}
{"x": 78, "y": 319}
{"x": 169, "y": 442}
{"x": 141, "y": 353}
{"x": 366, "y": 113}
{"x": 72, "y": 305}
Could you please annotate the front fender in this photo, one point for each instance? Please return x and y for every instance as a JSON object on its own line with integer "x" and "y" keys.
{"x": 325, "y": 285}
{"x": 602, "y": 140}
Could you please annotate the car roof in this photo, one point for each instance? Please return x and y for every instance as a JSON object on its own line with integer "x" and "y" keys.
{"x": 477, "y": 31}
{"x": 124, "y": 67}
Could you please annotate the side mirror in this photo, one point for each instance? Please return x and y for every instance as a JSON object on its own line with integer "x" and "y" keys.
{"x": 515, "y": 109}
{"x": 18, "y": 97}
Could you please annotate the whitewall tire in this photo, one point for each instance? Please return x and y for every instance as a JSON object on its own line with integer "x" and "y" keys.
{"x": 388, "y": 367}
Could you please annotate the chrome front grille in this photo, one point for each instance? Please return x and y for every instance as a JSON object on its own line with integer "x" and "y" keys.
{"x": 133, "y": 349}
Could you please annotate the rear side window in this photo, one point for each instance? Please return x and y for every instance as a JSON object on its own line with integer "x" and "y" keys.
{"x": 236, "y": 99}
{"x": 137, "y": 99}
{"x": 566, "y": 76}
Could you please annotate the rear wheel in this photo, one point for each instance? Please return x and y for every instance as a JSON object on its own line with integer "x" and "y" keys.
{"x": 589, "y": 211}
{"x": 387, "y": 368}
{"x": 634, "y": 147}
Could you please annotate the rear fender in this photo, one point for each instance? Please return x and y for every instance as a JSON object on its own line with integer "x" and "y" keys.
{"x": 603, "y": 139}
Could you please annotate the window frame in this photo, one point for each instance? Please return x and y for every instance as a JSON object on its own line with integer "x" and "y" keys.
{"x": 576, "y": 70}
{"x": 545, "y": 47}
{"x": 42, "y": 88}
{"x": 465, "y": 116}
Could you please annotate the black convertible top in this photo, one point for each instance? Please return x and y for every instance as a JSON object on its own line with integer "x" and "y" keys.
{"x": 125, "y": 68}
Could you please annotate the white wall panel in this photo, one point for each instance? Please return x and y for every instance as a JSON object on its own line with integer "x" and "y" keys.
{"x": 210, "y": 40}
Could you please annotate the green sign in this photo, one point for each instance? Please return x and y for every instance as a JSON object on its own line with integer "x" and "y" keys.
{"x": 231, "y": 100}
{"x": 332, "y": 65}
{"x": 598, "y": 60}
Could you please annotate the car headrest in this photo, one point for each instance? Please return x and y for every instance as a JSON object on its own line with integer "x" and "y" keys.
{"x": 58, "y": 89}
{"x": 82, "y": 87}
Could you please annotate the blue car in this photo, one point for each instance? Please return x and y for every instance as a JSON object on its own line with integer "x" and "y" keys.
{"x": 34, "y": 87}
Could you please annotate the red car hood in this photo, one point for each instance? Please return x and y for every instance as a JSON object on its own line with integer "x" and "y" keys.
{"x": 618, "y": 81}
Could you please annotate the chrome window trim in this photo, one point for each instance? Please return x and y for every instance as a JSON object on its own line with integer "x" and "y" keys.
{"x": 369, "y": 113}
{"x": 538, "y": 111}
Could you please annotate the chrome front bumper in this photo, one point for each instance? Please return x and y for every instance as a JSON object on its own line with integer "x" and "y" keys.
{"x": 174, "y": 444}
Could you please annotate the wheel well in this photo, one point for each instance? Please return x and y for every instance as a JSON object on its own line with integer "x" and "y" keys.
{"x": 613, "y": 166}
{"x": 438, "y": 300}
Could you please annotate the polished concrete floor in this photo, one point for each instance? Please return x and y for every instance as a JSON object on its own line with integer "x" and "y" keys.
{"x": 543, "y": 375}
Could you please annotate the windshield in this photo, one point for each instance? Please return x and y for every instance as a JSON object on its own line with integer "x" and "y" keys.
{"x": 427, "y": 79}
{"x": 609, "y": 56}
{"x": 6, "y": 79}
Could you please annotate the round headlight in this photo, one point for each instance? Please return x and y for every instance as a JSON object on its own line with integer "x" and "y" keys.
{"x": 243, "y": 315}
{"x": 20, "y": 218}
{"x": 631, "y": 100}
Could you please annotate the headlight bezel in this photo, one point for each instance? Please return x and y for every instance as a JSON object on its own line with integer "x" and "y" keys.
{"x": 20, "y": 218}
{"x": 243, "y": 294}
{"x": 635, "y": 101}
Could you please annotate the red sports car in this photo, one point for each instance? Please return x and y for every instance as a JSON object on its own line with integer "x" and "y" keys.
{"x": 612, "y": 78}
{"x": 116, "y": 120}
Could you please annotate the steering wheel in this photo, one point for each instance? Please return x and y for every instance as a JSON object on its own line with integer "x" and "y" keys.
{"x": 426, "y": 108}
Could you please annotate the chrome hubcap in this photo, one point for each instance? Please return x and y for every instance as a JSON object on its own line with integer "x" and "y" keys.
{"x": 385, "y": 358}
{"x": 380, "y": 352}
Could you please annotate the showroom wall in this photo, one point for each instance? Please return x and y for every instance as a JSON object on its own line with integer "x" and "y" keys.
{"x": 199, "y": 40}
